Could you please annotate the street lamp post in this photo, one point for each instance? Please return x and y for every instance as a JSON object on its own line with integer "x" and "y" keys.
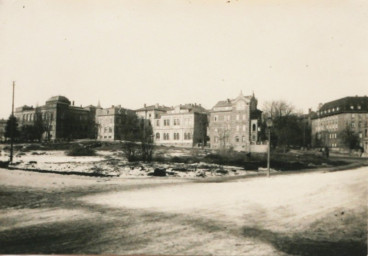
{"x": 269, "y": 124}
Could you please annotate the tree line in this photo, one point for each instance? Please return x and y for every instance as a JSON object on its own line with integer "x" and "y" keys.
{"x": 38, "y": 130}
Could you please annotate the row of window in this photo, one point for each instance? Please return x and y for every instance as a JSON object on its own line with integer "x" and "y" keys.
{"x": 176, "y": 136}
{"x": 333, "y": 135}
{"x": 31, "y": 117}
{"x": 107, "y": 129}
{"x": 217, "y": 118}
{"x": 332, "y": 110}
{"x": 176, "y": 122}
{"x": 360, "y": 124}
{"x": 244, "y": 128}
{"x": 236, "y": 139}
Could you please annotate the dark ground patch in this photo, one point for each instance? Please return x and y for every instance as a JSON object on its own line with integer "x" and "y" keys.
{"x": 300, "y": 244}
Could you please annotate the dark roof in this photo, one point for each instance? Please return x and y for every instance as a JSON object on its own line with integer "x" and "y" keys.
{"x": 194, "y": 108}
{"x": 154, "y": 107}
{"x": 59, "y": 99}
{"x": 344, "y": 105}
{"x": 223, "y": 103}
{"x": 229, "y": 102}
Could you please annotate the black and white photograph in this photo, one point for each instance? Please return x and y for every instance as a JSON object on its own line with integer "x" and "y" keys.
{"x": 184, "y": 127}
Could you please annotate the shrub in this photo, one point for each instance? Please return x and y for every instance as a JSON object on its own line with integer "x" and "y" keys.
{"x": 78, "y": 150}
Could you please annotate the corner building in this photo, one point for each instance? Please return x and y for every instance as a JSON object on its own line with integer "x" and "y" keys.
{"x": 335, "y": 116}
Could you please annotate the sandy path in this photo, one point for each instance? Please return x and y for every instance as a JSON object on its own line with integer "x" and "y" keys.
{"x": 304, "y": 214}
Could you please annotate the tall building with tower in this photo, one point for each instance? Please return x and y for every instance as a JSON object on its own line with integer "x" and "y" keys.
{"x": 233, "y": 123}
{"x": 61, "y": 118}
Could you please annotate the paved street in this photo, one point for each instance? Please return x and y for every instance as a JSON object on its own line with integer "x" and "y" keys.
{"x": 319, "y": 213}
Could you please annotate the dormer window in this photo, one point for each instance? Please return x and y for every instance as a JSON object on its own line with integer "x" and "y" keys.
{"x": 351, "y": 107}
{"x": 359, "y": 107}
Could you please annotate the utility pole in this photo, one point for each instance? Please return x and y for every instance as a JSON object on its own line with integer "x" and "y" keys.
{"x": 269, "y": 124}
{"x": 268, "y": 152}
{"x": 12, "y": 128}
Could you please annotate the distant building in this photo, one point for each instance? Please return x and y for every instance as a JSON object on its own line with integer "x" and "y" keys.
{"x": 152, "y": 112}
{"x": 61, "y": 118}
{"x": 335, "y": 116}
{"x": 2, "y": 129}
{"x": 109, "y": 122}
{"x": 234, "y": 123}
{"x": 184, "y": 126}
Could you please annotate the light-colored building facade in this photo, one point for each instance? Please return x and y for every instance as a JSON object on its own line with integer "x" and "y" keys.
{"x": 152, "y": 112}
{"x": 234, "y": 123}
{"x": 110, "y": 121}
{"x": 335, "y": 116}
{"x": 181, "y": 126}
{"x": 61, "y": 119}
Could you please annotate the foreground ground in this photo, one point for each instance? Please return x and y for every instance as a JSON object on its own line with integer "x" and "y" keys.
{"x": 319, "y": 213}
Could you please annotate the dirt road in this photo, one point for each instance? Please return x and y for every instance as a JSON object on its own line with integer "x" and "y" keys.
{"x": 302, "y": 214}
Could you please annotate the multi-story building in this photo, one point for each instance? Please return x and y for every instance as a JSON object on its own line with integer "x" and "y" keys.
{"x": 182, "y": 126}
{"x": 334, "y": 117}
{"x": 61, "y": 119}
{"x": 110, "y": 121}
{"x": 152, "y": 112}
{"x": 234, "y": 123}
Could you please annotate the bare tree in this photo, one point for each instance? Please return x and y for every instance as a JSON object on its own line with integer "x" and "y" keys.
{"x": 224, "y": 136}
{"x": 349, "y": 138}
{"x": 275, "y": 109}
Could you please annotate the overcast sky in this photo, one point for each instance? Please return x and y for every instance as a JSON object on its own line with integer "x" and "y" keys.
{"x": 175, "y": 52}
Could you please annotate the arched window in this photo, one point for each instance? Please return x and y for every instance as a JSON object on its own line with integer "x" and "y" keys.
{"x": 157, "y": 136}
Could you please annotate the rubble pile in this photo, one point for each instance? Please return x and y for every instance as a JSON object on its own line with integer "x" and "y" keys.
{"x": 113, "y": 164}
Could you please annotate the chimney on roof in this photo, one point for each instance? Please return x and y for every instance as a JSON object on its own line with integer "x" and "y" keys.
{"x": 145, "y": 105}
{"x": 73, "y": 103}
{"x": 112, "y": 106}
{"x": 156, "y": 106}
{"x": 228, "y": 100}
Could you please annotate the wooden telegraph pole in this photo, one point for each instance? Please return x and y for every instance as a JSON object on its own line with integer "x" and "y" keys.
{"x": 12, "y": 128}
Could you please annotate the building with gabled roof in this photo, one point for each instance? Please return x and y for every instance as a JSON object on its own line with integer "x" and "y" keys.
{"x": 152, "y": 112}
{"x": 234, "y": 123}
